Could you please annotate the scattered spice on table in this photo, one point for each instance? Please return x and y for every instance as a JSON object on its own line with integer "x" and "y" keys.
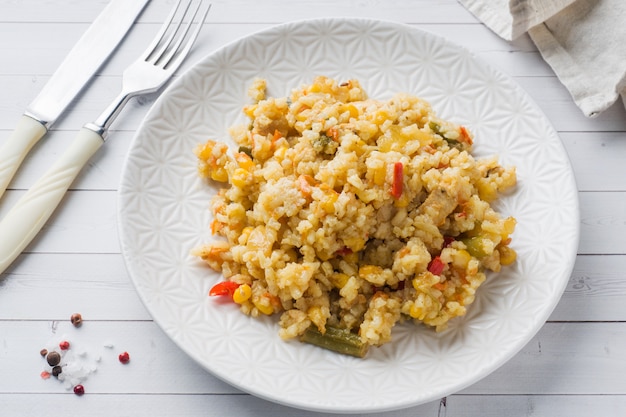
{"x": 72, "y": 363}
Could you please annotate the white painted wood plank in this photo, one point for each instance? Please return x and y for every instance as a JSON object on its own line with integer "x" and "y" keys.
{"x": 597, "y": 159}
{"x": 596, "y": 290}
{"x": 244, "y": 405}
{"x": 534, "y": 406}
{"x": 564, "y": 358}
{"x": 54, "y": 286}
{"x": 242, "y": 11}
{"x": 240, "y": 405}
{"x": 603, "y": 223}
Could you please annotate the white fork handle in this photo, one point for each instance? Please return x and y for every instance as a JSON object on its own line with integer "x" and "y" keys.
{"x": 27, "y": 132}
{"x": 30, "y": 213}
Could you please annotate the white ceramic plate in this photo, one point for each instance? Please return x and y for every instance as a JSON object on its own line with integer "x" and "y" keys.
{"x": 163, "y": 214}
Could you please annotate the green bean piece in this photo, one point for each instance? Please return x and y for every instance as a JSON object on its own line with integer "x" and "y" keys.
{"x": 475, "y": 247}
{"x": 436, "y": 128}
{"x": 246, "y": 150}
{"x": 338, "y": 340}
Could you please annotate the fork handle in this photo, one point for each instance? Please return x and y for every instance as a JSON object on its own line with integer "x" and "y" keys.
{"x": 27, "y": 132}
{"x": 33, "y": 209}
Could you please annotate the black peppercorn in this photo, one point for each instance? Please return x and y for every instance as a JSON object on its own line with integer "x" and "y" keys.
{"x": 56, "y": 370}
{"x": 43, "y": 352}
{"x": 53, "y": 358}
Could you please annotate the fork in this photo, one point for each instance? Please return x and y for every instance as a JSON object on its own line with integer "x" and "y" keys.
{"x": 146, "y": 75}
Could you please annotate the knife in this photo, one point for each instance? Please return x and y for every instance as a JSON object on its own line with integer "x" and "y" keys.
{"x": 92, "y": 49}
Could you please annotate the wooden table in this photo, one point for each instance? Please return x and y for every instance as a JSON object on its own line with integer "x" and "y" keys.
{"x": 575, "y": 366}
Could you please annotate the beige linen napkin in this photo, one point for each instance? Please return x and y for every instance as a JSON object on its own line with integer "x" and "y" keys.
{"x": 584, "y": 41}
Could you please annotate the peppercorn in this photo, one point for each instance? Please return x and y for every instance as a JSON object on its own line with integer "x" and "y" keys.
{"x": 79, "y": 390}
{"x": 56, "y": 370}
{"x": 64, "y": 345}
{"x": 124, "y": 357}
{"x": 43, "y": 352}
{"x": 76, "y": 319}
{"x": 53, "y": 358}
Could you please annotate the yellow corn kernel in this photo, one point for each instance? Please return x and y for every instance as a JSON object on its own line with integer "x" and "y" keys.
{"x": 354, "y": 112}
{"x": 219, "y": 174}
{"x": 264, "y": 306}
{"x": 366, "y": 270}
{"x": 244, "y": 161}
{"x": 380, "y": 175}
{"x": 416, "y": 312}
{"x": 461, "y": 258}
{"x": 249, "y": 110}
{"x": 242, "y": 294}
{"x": 329, "y": 204}
{"x": 339, "y": 280}
{"x": 316, "y": 315}
{"x": 403, "y": 201}
{"x": 240, "y": 178}
{"x": 381, "y": 116}
{"x": 204, "y": 151}
{"x": 486, "y": 190}
{"x": 424, "y": 280}
{"x": 315, "y": 88}
{"x": 507, "y": 255}
{"x": 354, "y": 243}
{"x": 245, "y": 234}
{"x": 280, "y": 153}
{"x": 509, "y": 226}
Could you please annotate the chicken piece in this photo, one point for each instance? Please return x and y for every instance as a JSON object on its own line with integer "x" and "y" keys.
{"x": 438, "y": 205}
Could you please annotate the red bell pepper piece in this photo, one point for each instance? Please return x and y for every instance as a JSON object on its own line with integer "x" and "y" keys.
{"x": 224, "y": 288}
{"x": 436, "y": 266}
{"x": 398, "y": 179}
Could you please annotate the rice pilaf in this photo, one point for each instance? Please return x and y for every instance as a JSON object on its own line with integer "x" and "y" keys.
{"x": 352, "y": 214}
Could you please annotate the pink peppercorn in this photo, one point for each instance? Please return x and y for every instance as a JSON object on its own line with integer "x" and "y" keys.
{"x": 79, "y": 390}
{"x": 64, "y": 345}
{"x": 124, "y": 357}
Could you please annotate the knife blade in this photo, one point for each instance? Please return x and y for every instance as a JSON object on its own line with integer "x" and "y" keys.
{"x": 84, "y": 59}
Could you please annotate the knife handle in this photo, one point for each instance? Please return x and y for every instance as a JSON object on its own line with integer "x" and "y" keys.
{"x": 33, "y": 209}
{"x": 27, "y": 132}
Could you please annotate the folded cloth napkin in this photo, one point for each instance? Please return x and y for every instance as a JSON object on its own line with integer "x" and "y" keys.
{"x": 584, "y": 41}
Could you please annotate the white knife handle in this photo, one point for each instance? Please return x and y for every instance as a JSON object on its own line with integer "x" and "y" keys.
{"x": 31, "y": 212}
{"x": 27, "y": 132}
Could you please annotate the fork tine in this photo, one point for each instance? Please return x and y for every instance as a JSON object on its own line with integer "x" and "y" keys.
{"x": 176, "y": 54}
{"x": 171, "y": 47}
{"x": 165, "y": 45}
{"x": 152, "y": 48}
